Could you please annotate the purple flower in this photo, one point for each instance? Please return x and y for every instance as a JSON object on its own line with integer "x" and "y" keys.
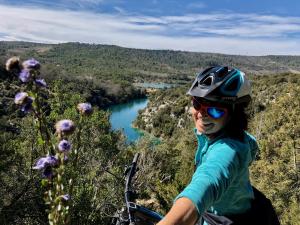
{"x": 25, "y": 76}
{"x": 85, "y": 108}
{"x": 48, "y": 172}
{"x": 13, "y": 64}
{"x": 41, "y": 82}
{"x": 20, "y": 98}
{"x": 31, "y": 64}
{"x": 65, "y": 127}
{"x": 28, "y": 105}
{"x": 64, "y": 146}
{"x": 65, "y": 197}
{"x": 24, "y": 101}
{"x": 45, "y": 162}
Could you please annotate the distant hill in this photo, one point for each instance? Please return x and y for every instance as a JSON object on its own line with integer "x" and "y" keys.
{"x": 105, "y": 62}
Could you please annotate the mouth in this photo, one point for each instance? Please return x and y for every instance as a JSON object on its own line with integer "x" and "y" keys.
{"x": 208, "y": 125}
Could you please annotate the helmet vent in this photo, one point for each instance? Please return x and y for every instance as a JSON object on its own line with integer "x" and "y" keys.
{"x": 207, "y": 81}
{"x": 222, "y": 72}
{"x": 233, "y": 85}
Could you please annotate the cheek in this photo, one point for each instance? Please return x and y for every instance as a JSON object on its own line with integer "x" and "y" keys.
{"x": 222, "y": 122}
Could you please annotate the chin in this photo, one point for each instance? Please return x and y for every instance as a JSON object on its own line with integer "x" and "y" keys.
{"x": 211, "y": 131}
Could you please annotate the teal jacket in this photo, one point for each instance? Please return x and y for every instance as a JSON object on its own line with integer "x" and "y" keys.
{"x": 221, "y": 183}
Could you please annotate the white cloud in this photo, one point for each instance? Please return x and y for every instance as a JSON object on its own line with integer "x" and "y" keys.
{"x": 232, "y": 34}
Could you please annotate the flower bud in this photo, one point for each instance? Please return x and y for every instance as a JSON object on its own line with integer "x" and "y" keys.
{"x": 59, "y": 178}
{"x": 50, "y": 216}
{"x": 20, "y": 98}
{"x": 59, "y": 207}
{"x": 27, "y": 106}
{"x": 13, "y": 64}
{"x": 65, "y": 197}
{"x": 44, "y": 182}
{"x": 64, "y": 146}
{"x": 65, "y": 127}
{"x": 85, "y": 108}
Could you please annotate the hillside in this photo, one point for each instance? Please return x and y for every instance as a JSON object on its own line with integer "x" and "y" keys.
{"x": 103, "y": 62}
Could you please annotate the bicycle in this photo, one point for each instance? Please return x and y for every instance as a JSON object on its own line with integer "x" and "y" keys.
{"x": 132, "y": 213}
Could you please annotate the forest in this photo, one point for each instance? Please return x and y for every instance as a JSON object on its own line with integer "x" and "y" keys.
{"x": 105, "y": 75}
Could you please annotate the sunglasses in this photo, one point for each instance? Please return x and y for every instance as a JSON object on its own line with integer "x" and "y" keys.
{"x": 215, "y": 112}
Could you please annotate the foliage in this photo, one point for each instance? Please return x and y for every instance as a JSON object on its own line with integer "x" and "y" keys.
{"x": 278, "y": 133}
{"x": 94, "y": 193}
{"x": 103, "y": 75}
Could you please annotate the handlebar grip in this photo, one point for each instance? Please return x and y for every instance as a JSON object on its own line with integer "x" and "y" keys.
{"x": 136, "y": 157}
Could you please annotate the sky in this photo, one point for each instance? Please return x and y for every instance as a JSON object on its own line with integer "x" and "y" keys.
{"x": 239, "y": 27}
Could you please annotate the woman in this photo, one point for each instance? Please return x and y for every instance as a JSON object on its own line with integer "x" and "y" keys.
{"x": 220, "y": 191}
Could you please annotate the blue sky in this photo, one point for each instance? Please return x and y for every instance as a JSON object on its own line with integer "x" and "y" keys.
{"x": 246, "y": 27}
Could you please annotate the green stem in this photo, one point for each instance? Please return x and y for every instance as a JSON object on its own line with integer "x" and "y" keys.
{"x": 78, "y": 139}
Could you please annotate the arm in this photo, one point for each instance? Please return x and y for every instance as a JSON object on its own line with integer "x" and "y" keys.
{"x": 183, "y": 212}
{"x": 209, "y": 182}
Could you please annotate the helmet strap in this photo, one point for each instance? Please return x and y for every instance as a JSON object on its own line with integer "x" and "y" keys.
{"x": 233, "y": 107}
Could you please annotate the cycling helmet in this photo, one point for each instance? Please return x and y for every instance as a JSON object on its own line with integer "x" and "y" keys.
{"x": 221, "y": 84}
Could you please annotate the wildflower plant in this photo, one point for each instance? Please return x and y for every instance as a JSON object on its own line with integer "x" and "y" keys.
{"x": 55, "y": 144}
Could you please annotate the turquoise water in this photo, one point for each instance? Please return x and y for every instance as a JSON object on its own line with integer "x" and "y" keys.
{"x": 124, "y": 114}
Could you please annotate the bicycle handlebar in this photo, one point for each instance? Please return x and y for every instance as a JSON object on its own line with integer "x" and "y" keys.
{"x": 134, "y": 214}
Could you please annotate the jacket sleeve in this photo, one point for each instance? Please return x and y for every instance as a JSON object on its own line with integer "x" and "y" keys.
{"x": 212, "y": 178}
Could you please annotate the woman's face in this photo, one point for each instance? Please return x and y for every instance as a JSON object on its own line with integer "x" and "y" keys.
{"x": 209, "y": 118}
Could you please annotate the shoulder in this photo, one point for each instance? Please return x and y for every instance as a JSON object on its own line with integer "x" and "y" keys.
{"x": 248, "y": 142}
{"x": 245, "y": 150}
{"x": 224, "y": 149}
{"x": 228, "y": 148}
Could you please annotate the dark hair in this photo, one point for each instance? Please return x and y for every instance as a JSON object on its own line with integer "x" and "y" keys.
{"x": 238, "y": 122}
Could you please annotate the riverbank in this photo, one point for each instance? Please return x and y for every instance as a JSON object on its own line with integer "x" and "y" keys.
{"x": 164, "y": 112}
{"x": 134, "y": 118}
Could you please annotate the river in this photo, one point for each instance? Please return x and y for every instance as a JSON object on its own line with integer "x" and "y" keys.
{"x": 124, "y": 114}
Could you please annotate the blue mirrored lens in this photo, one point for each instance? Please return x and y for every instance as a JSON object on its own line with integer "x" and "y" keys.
{"x": 215, "y": 112}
